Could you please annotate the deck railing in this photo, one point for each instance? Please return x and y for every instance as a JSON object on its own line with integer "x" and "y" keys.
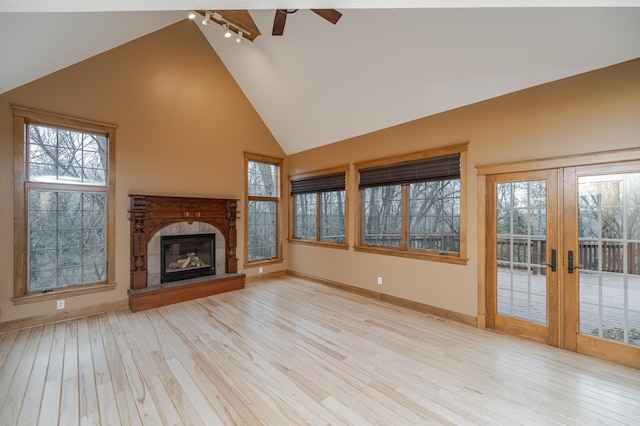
{"x": 443, "y": 243}
{"x": 612, "y": 255}
{"x": 612, "y": 252}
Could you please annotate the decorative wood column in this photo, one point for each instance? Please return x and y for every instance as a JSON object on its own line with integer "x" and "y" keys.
{"x": 148, "y": 214}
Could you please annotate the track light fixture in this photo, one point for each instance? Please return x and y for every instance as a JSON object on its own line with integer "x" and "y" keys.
{"x": 207, "y": 19}
{"x": 227, "y": 31}
{"x": 228, "y": 27}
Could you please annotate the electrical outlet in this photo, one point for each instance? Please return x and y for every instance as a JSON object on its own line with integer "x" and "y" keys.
{"x": 379, "y": 280}
{"x": 260, "y": 270}
{"x": 60, "y": 304}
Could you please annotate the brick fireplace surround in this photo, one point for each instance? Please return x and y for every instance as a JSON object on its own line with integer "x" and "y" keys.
{"x": 149, "y": 214}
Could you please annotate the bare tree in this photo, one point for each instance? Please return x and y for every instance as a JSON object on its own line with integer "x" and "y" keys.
{"x": 67, "y": 227}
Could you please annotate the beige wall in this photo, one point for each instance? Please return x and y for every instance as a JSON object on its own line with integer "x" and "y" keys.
{"x": 183, "y": 125}
{"x": 592, "y": 112}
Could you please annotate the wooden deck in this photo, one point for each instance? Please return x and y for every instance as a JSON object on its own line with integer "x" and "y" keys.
{"x": 602, "y": 298}
{"x": 286, "y": 352}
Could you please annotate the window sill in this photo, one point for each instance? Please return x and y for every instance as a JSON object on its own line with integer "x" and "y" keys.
{"x": 57, "y": 293}
{"x": 413, "y": 254}
{"x": 257, "y": 263}
{"x": 320, "y": 244}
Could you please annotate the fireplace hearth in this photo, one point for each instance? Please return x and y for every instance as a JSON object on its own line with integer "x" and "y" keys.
{"x": 187, "y": 256}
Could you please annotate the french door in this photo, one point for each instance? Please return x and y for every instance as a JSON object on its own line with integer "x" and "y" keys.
{"x": 523, "y": 255}
{"x": 563, "y": 258}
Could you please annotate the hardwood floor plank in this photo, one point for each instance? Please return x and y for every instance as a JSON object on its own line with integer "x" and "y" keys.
{"x": 89, "y": 413}
{"x": 13, "y": 354}
{"x": 70, "y": 393}
{"x": 107, "y": 408}
{"x": 289, "y": 351}
{"x": 160, "y": 352}
{"x": 10, "y": 406}
{"x": 50, "y": 406}
{"x": 6, "y": 343}
{"x": 136, "y": 384}
{"x": 349, "y": 415}
{"x": 141, "y": 346}
{"x": 127, "y": 409}
{"x": 35, "y": 388}
{"x": 206, "y": 413}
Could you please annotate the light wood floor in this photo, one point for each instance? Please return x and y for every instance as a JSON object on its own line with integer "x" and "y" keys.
{"x": 288, "y": 351}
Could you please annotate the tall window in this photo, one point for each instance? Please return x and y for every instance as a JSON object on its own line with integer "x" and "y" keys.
{"x": 64, "y": 214}
{"x": 263, "y": 203}
{"x": 413, "y": 205}
{"x": 319, "y": 207}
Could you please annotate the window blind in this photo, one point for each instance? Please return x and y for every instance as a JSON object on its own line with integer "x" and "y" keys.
{"x": 428, "y": 169}
{"x": 325, "y": 183}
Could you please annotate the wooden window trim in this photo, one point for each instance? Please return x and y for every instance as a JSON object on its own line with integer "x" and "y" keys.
{"x": 23, "y": 117}
{"x": 318, "y": 242}
{"x": 459, "y": 258}
{"x": 574, "y": 160}
{"x": 278, "y": 200}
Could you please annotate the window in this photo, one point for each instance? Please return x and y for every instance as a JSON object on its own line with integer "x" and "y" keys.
{"x": 319, "y": 207}
{"x": 413, "y": 206}
{"x": 263, "y": 204}
{"x": 65, "y": 191}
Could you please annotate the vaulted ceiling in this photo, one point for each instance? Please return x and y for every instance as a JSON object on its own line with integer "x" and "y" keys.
{"x": 384, "y": 63}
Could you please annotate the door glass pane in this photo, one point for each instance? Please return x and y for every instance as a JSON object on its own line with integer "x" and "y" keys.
{"x": 609, "y": 256}
{"x": 521, "y": 250}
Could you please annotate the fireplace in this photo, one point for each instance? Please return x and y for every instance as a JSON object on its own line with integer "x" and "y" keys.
{"x": 154, "y": 217}
{"x": 187, "y": 256}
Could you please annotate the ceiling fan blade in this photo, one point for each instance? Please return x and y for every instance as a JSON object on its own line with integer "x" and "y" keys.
{"x": 330, "y": 15}
{"x": 278, "y": 22}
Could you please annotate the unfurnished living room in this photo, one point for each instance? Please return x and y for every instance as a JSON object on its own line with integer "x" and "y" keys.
{"x": 221, "y": 212}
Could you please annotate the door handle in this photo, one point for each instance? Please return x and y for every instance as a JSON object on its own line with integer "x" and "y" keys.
{"x": 554, "y": 259}
{"x": 570, "y": 266}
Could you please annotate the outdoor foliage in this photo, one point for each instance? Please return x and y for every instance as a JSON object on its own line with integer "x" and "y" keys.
{"x": 262, "y": 217}
{"x": 67, "y": 228}
{"x": 330, "y": 206}
{"x": 433, "y": 215}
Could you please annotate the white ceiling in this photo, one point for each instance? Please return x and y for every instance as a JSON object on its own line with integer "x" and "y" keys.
{"x": 321, "y": 83}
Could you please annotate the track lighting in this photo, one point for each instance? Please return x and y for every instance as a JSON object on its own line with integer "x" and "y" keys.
{"x": 228, "y": 26}
{"x": 207, "y": 19}
{"x": 227, "y": 31}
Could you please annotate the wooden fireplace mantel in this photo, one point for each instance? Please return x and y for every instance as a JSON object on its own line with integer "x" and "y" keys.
{"x": 147, "y": 215}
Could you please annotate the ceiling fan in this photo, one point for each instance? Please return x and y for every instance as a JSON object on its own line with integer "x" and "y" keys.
{"x": 280, "y": 19}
